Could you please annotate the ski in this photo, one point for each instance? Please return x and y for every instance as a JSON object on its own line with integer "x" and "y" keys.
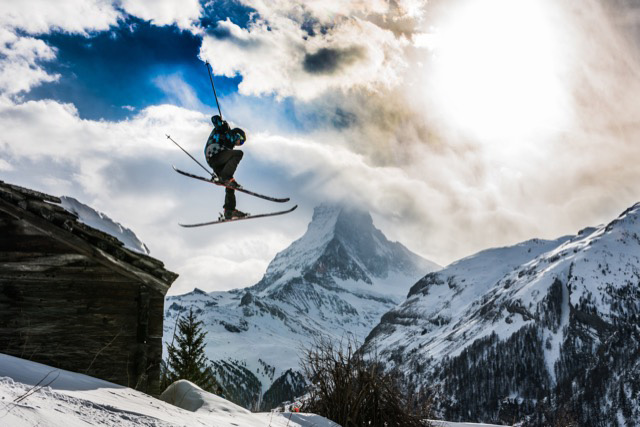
{"x": 220, "y": 221}
{"x": 241, "y": 189}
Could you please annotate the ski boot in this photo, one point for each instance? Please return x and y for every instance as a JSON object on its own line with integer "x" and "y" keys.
{"x": 234, "y": 214}
{"x": 231, "y": 183}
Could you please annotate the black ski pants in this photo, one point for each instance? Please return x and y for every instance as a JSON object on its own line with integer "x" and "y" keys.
{"x": 224, "y": 164}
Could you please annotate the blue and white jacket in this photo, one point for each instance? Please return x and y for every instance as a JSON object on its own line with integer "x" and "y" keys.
{"x": 217, "y": 142}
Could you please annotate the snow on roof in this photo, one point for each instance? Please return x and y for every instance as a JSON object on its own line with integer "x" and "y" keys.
{"x": 102, "y": 222}
{"x": 47, "y": 213}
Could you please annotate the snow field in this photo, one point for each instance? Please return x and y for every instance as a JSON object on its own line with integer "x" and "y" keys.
{"x": 68, "y": 399}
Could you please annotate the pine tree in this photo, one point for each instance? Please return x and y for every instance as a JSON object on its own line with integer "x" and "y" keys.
{"x": 187, "y": 360}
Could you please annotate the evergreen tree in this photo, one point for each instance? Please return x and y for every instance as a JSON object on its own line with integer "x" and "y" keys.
{"x": 187, "y": 360}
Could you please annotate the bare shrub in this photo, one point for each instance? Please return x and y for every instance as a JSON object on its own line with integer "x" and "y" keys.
{"x": 354, "y": 390}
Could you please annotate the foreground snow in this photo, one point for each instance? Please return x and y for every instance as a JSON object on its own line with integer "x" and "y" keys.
{"x": 67, "y": 399}
{"x": 32, "y": 394}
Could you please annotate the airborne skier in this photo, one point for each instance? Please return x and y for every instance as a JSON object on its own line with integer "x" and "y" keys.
{"x": 223, "y": 159}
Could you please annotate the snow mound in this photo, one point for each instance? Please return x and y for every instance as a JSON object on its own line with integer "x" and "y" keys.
{"x": 102, "y": 222}
{"x": 186, "y": 395}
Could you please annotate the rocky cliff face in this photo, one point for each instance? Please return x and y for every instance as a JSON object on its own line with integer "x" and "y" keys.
{"x": 336, "y": 280}
{"x": 528, "y": 331}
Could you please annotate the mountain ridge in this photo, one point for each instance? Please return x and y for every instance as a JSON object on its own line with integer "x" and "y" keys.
{"x": 544, "y": 311}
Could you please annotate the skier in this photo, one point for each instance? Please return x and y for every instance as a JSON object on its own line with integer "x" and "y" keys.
{"x": 223, "y": 159}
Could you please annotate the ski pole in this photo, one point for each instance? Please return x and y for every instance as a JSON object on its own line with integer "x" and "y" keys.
{"x": 193, "y": 158}
{"x": 214, "y": 88}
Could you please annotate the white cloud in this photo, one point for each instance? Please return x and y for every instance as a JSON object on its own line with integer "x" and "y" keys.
{"x": 446, "y": 204}
{"x": 43, "y": 16}
{"x": 18, "y": 69}
{"x": 183, "y": 13}
{"x": 5, "y": 165}
{"x": 85, "y": 16}
{"x": 276, "y": 55}
{"x": 179, "y": 92}
{"x": 442, "y": 203}
{"x": 22, "y": 55}
{"x": 442, "y": 193}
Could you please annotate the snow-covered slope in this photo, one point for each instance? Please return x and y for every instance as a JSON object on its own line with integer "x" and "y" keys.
{"x": 32, "y": 394}
{"x": 519, "y": 330}
{"x": 337, "y": 279}
{"x": 102, "y": 222}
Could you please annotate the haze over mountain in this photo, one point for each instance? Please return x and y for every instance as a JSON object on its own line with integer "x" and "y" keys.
{"x": 336, "y": 280}
{"x": 529, "y": 329}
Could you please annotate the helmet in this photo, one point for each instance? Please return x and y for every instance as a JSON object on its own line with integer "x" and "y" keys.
{"x": 239, "y": 136}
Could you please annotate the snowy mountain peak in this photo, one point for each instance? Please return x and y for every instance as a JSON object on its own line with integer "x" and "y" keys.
{"x": 342, "y": 244}
{"x": 325, "y": 215}
{"x": 319, "y": 232}
{"x": 334, "y": 220}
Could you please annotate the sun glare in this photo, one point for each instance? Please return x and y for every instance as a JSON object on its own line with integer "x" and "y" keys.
{"x": 497, "y": 69}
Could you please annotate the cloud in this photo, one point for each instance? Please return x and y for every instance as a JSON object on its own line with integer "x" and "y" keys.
{"x": 305, "y": 51}
{"x": 22, "y": 56}
{"x": 329, "y": 61}
{"x": 19, "y": 71}
{"x": 183, "y": 13}
{"x": 43, "y": 16}
{"x": 353, "y": 80}
{"x": 443, "y": 191}
{"x": 86, "y": 16}
{"x": 179, "y": 92}
{"x": 5, "y": 165}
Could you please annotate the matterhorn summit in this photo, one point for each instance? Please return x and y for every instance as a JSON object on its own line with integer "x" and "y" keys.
{"x": 342, "y": 248}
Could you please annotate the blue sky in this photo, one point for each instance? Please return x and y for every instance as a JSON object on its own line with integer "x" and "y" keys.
{"x": 113, "y": 74}
{"x": 106, "y": 73}
{"x": 460, "y": 125}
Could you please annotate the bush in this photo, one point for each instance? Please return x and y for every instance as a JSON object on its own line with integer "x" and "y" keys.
{"x": 354, "y": 390}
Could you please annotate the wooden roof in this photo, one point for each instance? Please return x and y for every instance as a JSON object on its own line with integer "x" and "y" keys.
{"x": 43, "y": 212}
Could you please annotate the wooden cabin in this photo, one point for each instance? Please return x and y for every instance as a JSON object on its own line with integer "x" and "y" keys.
{"x": 74, "y": 297}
